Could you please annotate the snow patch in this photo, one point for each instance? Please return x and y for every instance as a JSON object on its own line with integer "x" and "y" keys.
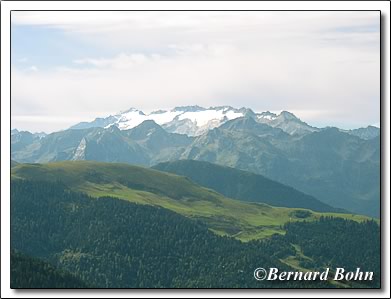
{"x": 195, "y": 120}
{"x": 268, "y": 117}
{"x": 201, "y": 118}
{"x": 80, "y": 151}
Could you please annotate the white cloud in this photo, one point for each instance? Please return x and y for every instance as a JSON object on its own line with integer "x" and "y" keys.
{"x": 156, "y": 29}
{"x": 122, "y": 61}
{"x": 262, "y": 60}
{"x": 32, "y": 68}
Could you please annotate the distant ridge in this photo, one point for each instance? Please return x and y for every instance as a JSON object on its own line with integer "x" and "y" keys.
{"x": 244, "y": 185}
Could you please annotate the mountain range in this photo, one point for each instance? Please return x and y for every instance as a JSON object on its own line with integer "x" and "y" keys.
{"x": 196, "y": 120}
{"x": 341, "y": 168}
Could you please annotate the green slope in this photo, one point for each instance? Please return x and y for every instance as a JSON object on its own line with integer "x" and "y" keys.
{"x": 113, "y": 243}
{"x": 244, "y": 185}
{"x": 224, "y": 216}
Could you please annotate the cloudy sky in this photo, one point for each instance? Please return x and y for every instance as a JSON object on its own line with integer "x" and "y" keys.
{"x": 68, "y": 67}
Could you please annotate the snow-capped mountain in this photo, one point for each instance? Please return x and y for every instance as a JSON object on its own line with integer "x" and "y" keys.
{"x": 196, "y": 120}
{"x": 286, "y": 121}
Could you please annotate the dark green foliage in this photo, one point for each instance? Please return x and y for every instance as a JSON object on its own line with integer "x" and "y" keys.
{"x": 336, "y": 242}
{"x": 117, "y": 244}
{"x": 29, "y": 273}
{"x": 113, "y": 243}
{"x": 301, "y": 214}
{"x": 244, "y": 185}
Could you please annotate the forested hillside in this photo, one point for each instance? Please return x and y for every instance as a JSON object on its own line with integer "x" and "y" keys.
{"x": 29, "y": 273}
{"x": 112, "y": 243}
{"x": 225, "y": 216}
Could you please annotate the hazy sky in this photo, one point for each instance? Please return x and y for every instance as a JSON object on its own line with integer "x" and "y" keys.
{"x": 74, "y": 66}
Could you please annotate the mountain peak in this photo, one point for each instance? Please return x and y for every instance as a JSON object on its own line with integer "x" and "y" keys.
{"x": 250, "y": 124}
{"x": 240, "y": 123}
{"x": 148, "y": 125}
{"x": 130, "y": 110}
{"x": 288, "y": 115}
{"x": 145, "y": 129}
{"x": 224, "y": 108}
{"x": 368, "y": 132}
{"x": 267, "y": 115}
{"x": 113, "y": 128}
{"x": 193, "y": 108}
{"x": 160, "y": 111}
